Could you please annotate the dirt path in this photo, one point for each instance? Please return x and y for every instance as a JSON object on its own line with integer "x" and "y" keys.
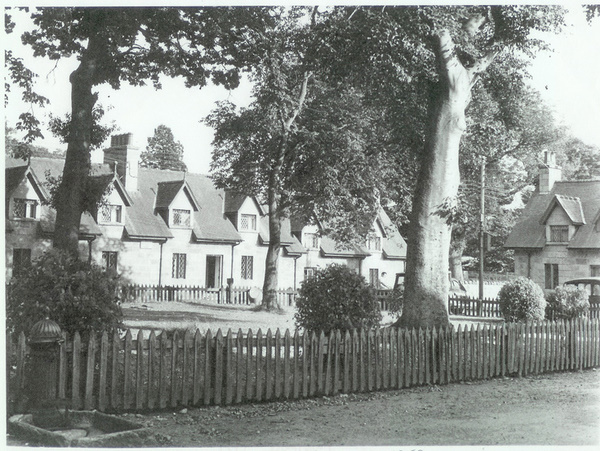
{"x": 558, "y": 409}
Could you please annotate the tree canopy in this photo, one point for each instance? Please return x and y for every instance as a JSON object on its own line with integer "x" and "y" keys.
{"x": 162, "y": 151}
{"x": 135, "y": 46}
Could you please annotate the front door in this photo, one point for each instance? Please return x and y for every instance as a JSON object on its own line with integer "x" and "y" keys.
{"x": 213, "y": 271}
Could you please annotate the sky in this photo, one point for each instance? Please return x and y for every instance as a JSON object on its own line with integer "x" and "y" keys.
{"x": 568, "y": 78}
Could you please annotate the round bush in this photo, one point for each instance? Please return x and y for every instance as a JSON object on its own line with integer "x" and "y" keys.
{"x": 522, "y": 300}
{"x": 567, "y": 302}
{"x": 78, "y": 296}
{"x": 336, "y": 298}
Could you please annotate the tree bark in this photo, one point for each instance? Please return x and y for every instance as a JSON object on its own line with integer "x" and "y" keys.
{"x": 270, "y": 284}
{"x": 70, "y": 196}
{"x": 426, "y": 281}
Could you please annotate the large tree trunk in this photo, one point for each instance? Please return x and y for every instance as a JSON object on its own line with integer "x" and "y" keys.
{"x": 426, "y": 281}
{"x": 270, "y": 285}
{"x": 70, "y": 196}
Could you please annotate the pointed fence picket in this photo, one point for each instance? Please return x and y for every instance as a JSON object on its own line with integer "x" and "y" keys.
{"x": 112, "y": 372}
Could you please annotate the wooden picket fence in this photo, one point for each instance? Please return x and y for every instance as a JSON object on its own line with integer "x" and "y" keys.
{"x": 468, "y": 306}
{"x": 125, "y": 373}
{"x": 223, "y": 295}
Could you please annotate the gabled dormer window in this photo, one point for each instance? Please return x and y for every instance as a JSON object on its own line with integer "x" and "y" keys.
{"x": 111, "y": 214}
{"x": 559, "y": 233}
{"x": 25, "y": 208}
{"x": 248, "y": 222}
{"x": 181, "y": 217}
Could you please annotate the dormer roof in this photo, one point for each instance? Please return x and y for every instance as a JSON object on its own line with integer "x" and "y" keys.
{"x": 14, "y": 177}
{"x": 168, "y": 190}
{"x": 570, "y": 204}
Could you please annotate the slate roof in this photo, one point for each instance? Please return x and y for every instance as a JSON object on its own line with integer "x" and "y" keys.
{"x": 168, "y": 190}
{"x": 393, "y": 245}
{"x": 331, "y": 248}
{"x": 571, "y": 205}
{"x": 210, "y": 224}
{"x": 529, "y": 232}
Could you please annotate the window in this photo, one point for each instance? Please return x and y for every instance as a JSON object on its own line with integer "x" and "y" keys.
{"x": 595, "y": 270}
{"x": 181, "y": 218}
{"x": 248, "y": 222}
{"x": 374, "y": 277}
{"x": 25, "y": 208}
{"x": 311, "y": 241}
{"x": 559, "y": 234}
{"x": 179, "y": 264}
{"x": 111, "y": 214}
{"x": 374, "y": 243}
{"x": 109, "y": 260}
{"x": 551, "y": 272}
{"x": 247, "y": 266}
{"x": 309, "y": 272}
{"x": 21, "y": 260}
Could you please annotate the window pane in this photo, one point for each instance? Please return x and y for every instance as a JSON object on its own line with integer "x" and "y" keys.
{"x": 181, "y": 218}
{"x": 19, "y": 208}
{"x": 247, "y": 267}
{"x": 559, "y": 234}
{"x": 179, "y": 266}
{"x": 248, "y": 222}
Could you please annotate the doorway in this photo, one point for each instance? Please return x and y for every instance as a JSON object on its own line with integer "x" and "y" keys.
{"x": 214, "y": 271}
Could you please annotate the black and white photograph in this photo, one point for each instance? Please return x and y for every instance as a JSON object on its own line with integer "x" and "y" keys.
{"x": 348, "y": 224}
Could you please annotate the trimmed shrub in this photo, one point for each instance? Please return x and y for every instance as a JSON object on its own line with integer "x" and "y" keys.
{"x": 336, "y": 298}
{"x": 522, "y": 300}
{"x": 77, "y": 295}
{"x": 567, "y": 302}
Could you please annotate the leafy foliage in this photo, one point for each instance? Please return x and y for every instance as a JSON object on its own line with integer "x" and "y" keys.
{"x": 336, "y": 298}
{"x": 77, "y": 295}
{"x": 163, "y": 152}
{"x": 567, "y": 302}
{"x": 522, "y": 300}
{"x": 23, "y": 150}
{"x": 396, "y": 301}
{"x": 63, "y": 128}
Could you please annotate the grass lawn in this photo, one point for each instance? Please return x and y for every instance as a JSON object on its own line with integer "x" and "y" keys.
{"x": 169, "y": 316}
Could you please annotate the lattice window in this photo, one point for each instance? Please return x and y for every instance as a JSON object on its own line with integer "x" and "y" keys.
{"x": 25, "y": 208}
{"x": 248, "y": 222}
{"x": 559, "y": 234}
{"x": 179, "y": 266}
{"x": 111, "y": 214}
{"x": 109, "y": 260}
{"x": 247, "y": 267}
{"x": 181, "y": 218}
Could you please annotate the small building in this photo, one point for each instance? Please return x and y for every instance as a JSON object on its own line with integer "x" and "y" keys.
{"x": 163, "y": 227}
{"x": 557, "y": 237}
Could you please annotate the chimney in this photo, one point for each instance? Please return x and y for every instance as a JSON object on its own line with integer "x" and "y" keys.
{"x": 124, "y": 157}
{"x": 550, "y": 173}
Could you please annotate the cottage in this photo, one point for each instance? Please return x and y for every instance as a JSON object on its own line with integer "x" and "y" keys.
{"x": 162, "y": 227}
{"x": 557, "y": 237}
